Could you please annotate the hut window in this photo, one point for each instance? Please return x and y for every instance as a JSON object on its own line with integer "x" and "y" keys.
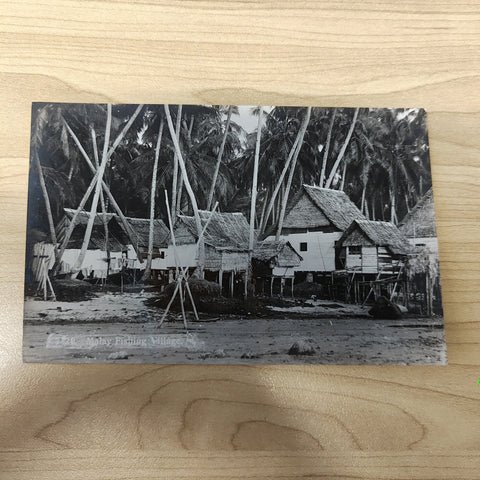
{"x": 355, "y": 250}
{"x": 303, "y": 246}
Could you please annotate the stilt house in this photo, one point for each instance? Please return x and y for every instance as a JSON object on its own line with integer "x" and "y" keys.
{"x": 370, "y": 247}
{"x": 420, "y": 229}
{"x": 274, "y": 262}
{"x": 315, "y": 221}
{"x": 226, "y": 247}
{"x": 120, "y": 252}
{"x": 141, "y": 231}
{"x": 96, "y": 260}
{"x": 419, "y": 224}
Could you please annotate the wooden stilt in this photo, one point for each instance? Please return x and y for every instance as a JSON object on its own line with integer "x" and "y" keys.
{"x": 51, "y": 287}
{"x": 292, "y": 285}
{"x": 282, "y": 283}
{"x": 232, "y": 277}
{"x": 271, "y": 286}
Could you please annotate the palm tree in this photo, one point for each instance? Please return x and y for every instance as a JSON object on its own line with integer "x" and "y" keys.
{"x": 219, "y": 157}
{"x": 253, "y": 203}
{"x": 340, "y": 155}
{"x": 188, "y": 187}
{"x": 292, "y": 156}
{"x": 96, "y": 195}
{"x": 175, "y": 163}
{"x": 105, "y": 187}
{"x": 327, "y": 148}
{"x": 40, "y": 121}
{"x": 152, "y": 201}
{"x": 302, "y": 131}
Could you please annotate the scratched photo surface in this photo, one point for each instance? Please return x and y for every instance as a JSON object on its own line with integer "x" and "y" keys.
{"x": 222, "y": 234}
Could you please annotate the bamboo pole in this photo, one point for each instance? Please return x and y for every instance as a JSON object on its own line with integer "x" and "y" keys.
{"x": 188, "y": 187}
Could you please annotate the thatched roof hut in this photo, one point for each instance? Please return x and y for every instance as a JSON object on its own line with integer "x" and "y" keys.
{"x": 141, "y": 230}
{"x": 375, "y": 233}
{"x": 225, "y": 231}
{"x": 420, "y": 221}
{"x": 315, "y": 207}
{"x": 278, "y": 253}
{"x": 117, "y": 238}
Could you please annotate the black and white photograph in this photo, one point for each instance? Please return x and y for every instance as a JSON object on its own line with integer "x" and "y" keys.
{"x": 220, "y": 234}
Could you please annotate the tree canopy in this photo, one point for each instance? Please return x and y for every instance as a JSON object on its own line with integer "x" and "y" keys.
{"x": 379, "y": 157}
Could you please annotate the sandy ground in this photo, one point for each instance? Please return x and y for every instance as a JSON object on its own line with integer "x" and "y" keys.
{"x": 121, "y": 328}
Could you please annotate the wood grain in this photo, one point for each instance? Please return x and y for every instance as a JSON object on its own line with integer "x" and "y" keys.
{"x": 139, "y": 422}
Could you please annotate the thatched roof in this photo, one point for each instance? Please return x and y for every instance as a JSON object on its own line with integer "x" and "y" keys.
{"x": 281, "y": 252}
{"x": 224, "y": 230}
{"x": 420, "y": 221}
{"x": 141, "y": 229}
{"x": 119, "y": 239}
{"x": 82, "y": 217}
{"x": 315, "y": 207}
{"x": 380, "y": 234}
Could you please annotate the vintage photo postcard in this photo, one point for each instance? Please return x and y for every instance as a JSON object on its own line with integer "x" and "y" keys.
{"x": 221, "y": 234}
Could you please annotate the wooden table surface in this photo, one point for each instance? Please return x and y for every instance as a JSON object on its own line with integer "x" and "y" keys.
{"x": 146, "y": 422}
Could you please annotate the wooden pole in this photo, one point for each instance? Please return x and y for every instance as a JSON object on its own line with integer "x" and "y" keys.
{"x": 179, "y": 277}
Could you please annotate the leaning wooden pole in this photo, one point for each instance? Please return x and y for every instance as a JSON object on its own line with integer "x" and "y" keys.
{"x": 188, "y": 187}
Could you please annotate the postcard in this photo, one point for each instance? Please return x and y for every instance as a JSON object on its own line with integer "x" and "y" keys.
{"x": 223, "y": 234}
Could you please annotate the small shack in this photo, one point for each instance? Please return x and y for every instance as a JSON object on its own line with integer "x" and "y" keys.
{"x": 273, "y": 261}
{"x": 373, "y": 255}
{"x": 423, "y": 268}
{"x": 371, "y": 247}
{"x": 226, "y": 248}
{"x": 419, "y": 224}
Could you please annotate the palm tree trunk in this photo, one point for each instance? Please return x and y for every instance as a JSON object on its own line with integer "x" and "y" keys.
{"x": 253, "y": 202}
{"x": 46, "y": 199}
{"x": 288, "y": 161}
{"x": 343, "y": 149}
{"x": 116, "y": 207}
{"x": 290, "y": 176}
{"x": 179, "y": 194}
{"x": 362, "y": 204}
{"x": 175, "y": 164}
{"x": 262, "y": 215}
{"x": 327, "y": 148}
{"x": 102, "y": 199}
{"x": 153, "y": 188}
{"x": 393, "y": 213}
{"x": 73, "y": 222}
{"x": 96, "y": 195}
{"x": 406, "y": 203}
{"x": 188, "y": 188}
{"x": 219, "y": 158}
{"x": 344, "y": 174}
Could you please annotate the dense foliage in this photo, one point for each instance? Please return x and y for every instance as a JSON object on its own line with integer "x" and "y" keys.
{"x": 379, "y": 157}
